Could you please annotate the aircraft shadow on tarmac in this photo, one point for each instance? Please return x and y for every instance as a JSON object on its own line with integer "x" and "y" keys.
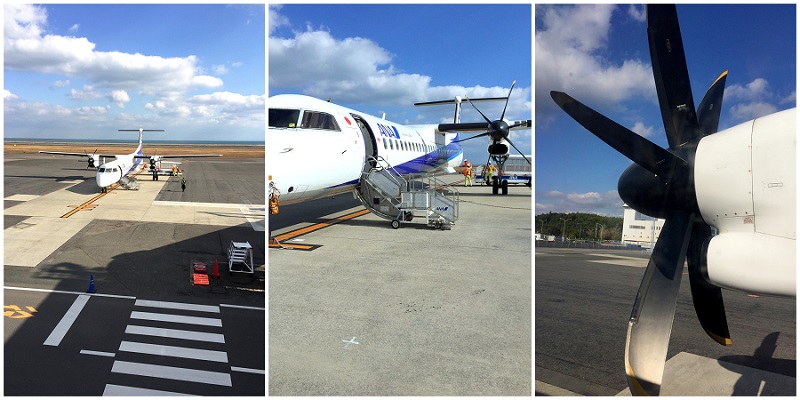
{"x": 762, "y": 359}
{"x": 50, "y": 178}
{"x": 158, "y": 273}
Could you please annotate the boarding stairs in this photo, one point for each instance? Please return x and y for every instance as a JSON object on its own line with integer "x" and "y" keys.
{"x": 400, "y": 199}
{"x": 129, "y": 183}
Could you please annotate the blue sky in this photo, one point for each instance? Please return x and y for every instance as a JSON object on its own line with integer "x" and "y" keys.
{"x": 383, "y": 58}
{"x": 599, "y": 55}
{"x": 84, "y": 71}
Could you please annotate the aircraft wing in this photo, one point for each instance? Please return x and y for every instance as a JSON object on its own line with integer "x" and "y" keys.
{"x": 178, "y": 155}
{"x": 61, "y": 153}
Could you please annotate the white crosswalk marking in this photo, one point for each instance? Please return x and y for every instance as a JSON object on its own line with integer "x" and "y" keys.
{"x": 173, "y": 351}
{"x": 181, "y": 319}
{"x": 175, "y": 333}
{"x": 144, "y": 353}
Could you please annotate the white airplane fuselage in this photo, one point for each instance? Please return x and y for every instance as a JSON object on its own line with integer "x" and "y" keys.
{"x": 317, "y": 149}
{"x": 111, "y": 172}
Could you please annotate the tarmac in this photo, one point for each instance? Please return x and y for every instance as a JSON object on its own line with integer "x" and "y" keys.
{"x": 370, "y": 310}
{"x": 131, "y": 240}
{"x": 583, "y": 299}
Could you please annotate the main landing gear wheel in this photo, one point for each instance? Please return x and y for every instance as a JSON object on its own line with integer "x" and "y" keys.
{"x": 504, "y": 187}
{"x": 395, "y": 224}
{"x": 495, "y": 185}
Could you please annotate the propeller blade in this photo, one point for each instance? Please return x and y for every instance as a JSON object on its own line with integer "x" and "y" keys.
{"x": 507, "y": 98}
{"x": 710, "y": 106}
{"x": 462, "y": 127}
{"x": 671, "y": 74}
{"x": 476, "y": 136}
{"x": 640, "y": 150}
{"x": 706, "y": 297}
{"x": 520, "y": 153}
{"x": 479, "y": 111}
{"x": 650, "y": 325}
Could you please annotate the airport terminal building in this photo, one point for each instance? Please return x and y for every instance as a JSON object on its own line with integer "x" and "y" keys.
{"x": 639, "y": 229}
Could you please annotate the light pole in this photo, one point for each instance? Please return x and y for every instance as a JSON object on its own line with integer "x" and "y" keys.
{"x": 563, "y": 230}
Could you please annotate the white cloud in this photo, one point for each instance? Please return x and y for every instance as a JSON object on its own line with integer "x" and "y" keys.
{"x": 74, "y": 28}
{"x": 29, "y": 48}
{"x": 570, "y": 58}
{"x": 752, "y": 110}
{"x": 756, "y": 90}
{"x": 275, "y": 19}
{"x": 113, "y": 80}
{"x": 219, "y": 69}
{"x": 23, "y": 21}
{"x": 120, "y": 97}
{"x": 608, "y": 203}
{"x": 366, "y": 75}
{"x": 7, "y": 95}
{"x": 88, "y": 92}
{"x": 643, "y": 130}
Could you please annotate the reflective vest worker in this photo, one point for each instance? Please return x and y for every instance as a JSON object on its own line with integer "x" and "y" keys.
{"x": 468, "y": 174}
{"x": 487, "y": 176}
{"x": 183, "y": 184}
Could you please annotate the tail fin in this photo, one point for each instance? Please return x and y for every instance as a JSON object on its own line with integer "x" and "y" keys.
{"x": 140, "y": 130}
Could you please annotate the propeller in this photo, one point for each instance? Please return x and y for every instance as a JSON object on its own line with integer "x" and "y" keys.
{"x": 660, "y": 183}
{"x": 90, "y": 159}
{"x": 497, "y": 130}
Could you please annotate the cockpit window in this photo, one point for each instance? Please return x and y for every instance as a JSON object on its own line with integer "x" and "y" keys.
{"x": 283, "y": 118}
{"x": 319, "y": 120}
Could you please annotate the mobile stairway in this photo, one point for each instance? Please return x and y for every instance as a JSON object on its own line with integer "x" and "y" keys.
{"x": 129, "y": 183}
{"x": 400, "y": 199}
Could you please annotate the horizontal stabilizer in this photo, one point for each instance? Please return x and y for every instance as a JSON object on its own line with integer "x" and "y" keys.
{"x": 454, "y": 101}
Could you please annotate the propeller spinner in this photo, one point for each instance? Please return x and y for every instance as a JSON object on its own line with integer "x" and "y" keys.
{"x": 661, "y": 184}
{"x": 497, "y": 130}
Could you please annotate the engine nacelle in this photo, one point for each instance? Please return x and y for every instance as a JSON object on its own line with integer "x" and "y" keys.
{"x": 90, "y": 161}
{"x": 752, "y": 262}
{"x": 498, "y": 148}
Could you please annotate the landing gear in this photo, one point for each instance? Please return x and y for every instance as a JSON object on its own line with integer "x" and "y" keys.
{"x": 499, "y": 185}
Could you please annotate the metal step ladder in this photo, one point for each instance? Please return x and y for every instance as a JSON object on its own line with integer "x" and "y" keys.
{"x": 129, "y": 183}
{"x": 400, "y": 199}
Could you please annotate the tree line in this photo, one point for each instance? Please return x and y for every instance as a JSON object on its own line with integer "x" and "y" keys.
{"x": 579, "y": 226}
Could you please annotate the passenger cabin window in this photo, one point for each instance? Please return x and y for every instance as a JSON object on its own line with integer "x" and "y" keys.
{"x": 282, "y": 118}
{"x": 319, "y": 120}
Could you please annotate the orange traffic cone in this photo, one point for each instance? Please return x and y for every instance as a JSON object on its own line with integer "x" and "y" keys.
{"x": 215, "y": 273}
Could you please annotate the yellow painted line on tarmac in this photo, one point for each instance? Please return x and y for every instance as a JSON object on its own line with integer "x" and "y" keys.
{"x": 312, "y": 228}
{"x": 88, "y": 205}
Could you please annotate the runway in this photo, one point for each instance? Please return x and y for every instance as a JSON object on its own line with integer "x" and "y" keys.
{"x": 134, "y": 245}
{"x": 414, "y": 311}
{"x": 583, "y": 302}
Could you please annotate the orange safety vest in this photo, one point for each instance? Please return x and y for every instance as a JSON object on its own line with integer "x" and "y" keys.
{"x": 273, "y": 204}
{"x": 468, "y": 171}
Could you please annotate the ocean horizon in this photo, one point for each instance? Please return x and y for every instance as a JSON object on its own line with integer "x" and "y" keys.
{"x": 136, "y": 141}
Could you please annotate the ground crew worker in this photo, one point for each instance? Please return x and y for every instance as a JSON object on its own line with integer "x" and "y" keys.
{"x": 487, "y": 175}
{"x": 183, "y": 184}
{"x": 467, "y": 174}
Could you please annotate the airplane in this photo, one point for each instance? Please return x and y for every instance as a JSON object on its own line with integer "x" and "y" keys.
{"x": 741, "y": 181}
{"x": 320, "y": 149}
{"x": 497, "y": 131}
{"x": 117, "y": 170}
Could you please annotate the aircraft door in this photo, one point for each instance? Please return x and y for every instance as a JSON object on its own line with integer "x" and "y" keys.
{"x": 370, "y": 144}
